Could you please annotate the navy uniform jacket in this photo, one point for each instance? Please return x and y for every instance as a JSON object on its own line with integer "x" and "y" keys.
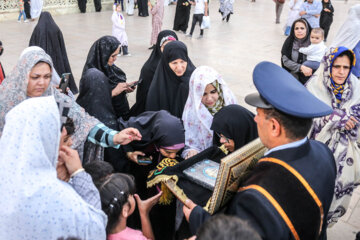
{"x": 314, "y": 161}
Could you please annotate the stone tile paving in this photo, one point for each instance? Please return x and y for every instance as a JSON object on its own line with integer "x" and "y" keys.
{"x": 232, "y": 48}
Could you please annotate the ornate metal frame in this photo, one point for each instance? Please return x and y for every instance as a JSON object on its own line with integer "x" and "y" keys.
{"x": 233, "y": 169}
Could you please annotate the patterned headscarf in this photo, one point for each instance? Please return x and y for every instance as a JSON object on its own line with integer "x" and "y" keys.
{"x": 196, "y": 117}
{"x": 13, "y": 91}
{"x": 338, "y": 89}
{"x": 220, "y": 102}
{"x": 14, "y": 87}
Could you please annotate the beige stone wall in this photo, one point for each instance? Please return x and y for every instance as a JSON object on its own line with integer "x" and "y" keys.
{"x": 9, "y": 9}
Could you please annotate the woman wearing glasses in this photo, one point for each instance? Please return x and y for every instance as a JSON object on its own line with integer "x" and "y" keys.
{"x": 233, "y": 126}
{"x": 208, "y": 93}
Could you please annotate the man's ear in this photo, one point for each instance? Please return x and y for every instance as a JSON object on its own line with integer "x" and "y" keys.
{"x": 275, "y": 129}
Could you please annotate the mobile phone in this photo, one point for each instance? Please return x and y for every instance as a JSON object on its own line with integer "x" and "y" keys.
{"x": 144, "y": 160}
{"x": 64, "y": 82}
{"x": 136, "y": 83}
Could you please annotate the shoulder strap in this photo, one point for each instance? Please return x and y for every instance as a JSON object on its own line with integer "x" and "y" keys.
{"x": 291, "y": 196}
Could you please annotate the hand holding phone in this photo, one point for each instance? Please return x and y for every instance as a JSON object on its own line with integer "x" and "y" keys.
{"x": 136, "y": 83}
{"x": 144, "y": 160}
{"x": 64, "y": 82}
{"x": 139, "y": 158}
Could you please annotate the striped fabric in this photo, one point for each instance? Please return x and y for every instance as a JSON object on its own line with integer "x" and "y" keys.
{"x": 103, "y": 136}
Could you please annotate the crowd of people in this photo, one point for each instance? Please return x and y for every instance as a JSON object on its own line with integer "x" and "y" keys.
{"x": 77, "y": 160}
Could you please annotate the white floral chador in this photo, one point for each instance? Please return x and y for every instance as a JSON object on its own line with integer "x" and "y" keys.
{"x": 196, "y": 116}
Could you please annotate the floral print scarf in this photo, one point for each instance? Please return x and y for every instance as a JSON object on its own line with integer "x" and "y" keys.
{"x": 13, "y": 91}
{"x": 196, "y": 117}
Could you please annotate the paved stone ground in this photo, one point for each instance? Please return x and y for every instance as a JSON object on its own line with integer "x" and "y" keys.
{"x": 232, "y": 48}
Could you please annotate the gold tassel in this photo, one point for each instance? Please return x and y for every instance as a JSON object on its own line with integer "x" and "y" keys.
{"x": 166, "y": 196}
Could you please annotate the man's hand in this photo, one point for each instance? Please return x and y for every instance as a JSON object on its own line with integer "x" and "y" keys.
{"x": 302, "y": 13}
{"x": 317, "y": 15}
{"x": 126, "y": 136}
{"x": 351, "y": 123}
{"x": 71, "y": 159}
{"x": 146, "y": 205}
{"x": 187, "y": 208}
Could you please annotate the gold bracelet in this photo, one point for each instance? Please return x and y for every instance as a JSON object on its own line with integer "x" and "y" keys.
{"x": 76, "y": 172}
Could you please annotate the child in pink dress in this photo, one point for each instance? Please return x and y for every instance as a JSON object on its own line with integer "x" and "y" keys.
{"x": 118, "y": 200}
{"x": 157, "y": 12}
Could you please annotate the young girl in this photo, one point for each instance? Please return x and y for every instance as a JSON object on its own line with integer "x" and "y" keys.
{"x": 117, "y": 193}
{"x": 118, "y": 29}
{"x": 119, "y": 2}
{"x": 157, "y": 12}
{"x": 22, "y": 12}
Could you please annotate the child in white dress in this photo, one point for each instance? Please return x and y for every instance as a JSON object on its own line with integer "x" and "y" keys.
{"x": 118, "y": 29}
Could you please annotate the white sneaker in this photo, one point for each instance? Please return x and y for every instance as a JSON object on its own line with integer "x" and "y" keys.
{"x": 127, "y": 55}
{"x": 19, "y": 21}
{"x": 26, "y": 20}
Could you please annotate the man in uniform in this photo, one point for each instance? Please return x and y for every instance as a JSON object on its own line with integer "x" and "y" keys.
{"x": 288, "y": 194}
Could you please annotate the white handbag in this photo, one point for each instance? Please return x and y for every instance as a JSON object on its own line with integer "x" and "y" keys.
{"x": 205, "y": 24}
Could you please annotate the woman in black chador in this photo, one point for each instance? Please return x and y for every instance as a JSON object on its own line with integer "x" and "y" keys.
{"x": 182, "y": 15}
{"x": 102, "y": 56}
{"x": 143, "y": 8}
{"x": 169, "y": 89}
{"x": 82, "y": 5}
{"x": 326, "y": 17}
{"x": 163, "y": 136}
{"x": 233, "y": 126}
{"x": 49, "y": 37}
{"x": 148, "y": 71}
{"x": 95, "y": 98}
